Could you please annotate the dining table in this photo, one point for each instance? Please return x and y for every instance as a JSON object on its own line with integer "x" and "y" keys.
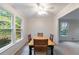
{"x": 50, "y": 43}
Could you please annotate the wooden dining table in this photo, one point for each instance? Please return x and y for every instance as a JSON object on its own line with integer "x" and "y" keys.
{"x": 50, "y": 43}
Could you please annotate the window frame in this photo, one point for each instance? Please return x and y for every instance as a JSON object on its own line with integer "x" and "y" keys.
{"x": 13, "y": 33}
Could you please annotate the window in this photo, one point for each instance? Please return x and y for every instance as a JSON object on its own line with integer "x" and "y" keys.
{"x": 63, "y": 28}
{"x": 10, "y": 28}
{"x": 18, "y": 28}
{"x": 5, "y": 28}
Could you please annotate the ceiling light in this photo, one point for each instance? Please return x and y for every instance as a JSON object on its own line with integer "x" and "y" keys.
{"x": 42, "y": 13}
{"x": 41, "y": 9}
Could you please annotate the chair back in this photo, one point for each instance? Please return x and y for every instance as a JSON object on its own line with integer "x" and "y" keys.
{"x": 51, "y": 36}
{"x": 29, "y": 38}
{"x": 40, "y": 45}
{"x": 40, "y": 41}
{"x": 40, "y": 34}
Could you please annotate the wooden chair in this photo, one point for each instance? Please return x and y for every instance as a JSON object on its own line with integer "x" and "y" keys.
{"x": 29, "y": 38}
{"x": 40, "y": 46}
{"x": 51, "y": 36}
{"x": 40, "y": 34}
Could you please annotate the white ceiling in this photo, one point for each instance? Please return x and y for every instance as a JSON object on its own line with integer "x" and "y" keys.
{"x": 28, "y": 9}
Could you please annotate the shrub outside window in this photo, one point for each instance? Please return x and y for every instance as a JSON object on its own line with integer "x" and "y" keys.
{"x": 5, "y": 28}
{"x": 18, "y": 28}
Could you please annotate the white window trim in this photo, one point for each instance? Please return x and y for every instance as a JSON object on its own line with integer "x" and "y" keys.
{"x": 13, "y": 32}
{"x": 22, "y": 30}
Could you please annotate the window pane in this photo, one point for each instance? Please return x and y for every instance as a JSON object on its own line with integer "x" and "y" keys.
{"x": 5, "y": 28}
{"x": 18, "y": 28}
{"x": 63, "y": 28}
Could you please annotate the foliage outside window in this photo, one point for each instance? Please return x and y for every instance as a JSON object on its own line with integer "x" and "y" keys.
{"x": 18, "y": 28}
{"x": 63, "y": 28}
{"x": 5, "y": 28}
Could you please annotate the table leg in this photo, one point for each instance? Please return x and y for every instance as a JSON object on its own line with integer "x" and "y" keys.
{"x": 52, "y": 50}
{"x": 30, "y": 50}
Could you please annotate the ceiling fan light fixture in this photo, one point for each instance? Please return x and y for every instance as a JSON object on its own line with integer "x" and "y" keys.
{"x": 41, "y": 10}
{"x": 42, "y": 13}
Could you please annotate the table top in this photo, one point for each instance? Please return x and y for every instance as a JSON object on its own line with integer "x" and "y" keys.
{"x": 50, "y": 42}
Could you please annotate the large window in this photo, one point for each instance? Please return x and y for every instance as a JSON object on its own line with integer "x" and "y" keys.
{"x": 5, "y": 28}
{"x": 18, "y": 28}
{"x": 10, "y": 28}
{"x": 63, "y": 28}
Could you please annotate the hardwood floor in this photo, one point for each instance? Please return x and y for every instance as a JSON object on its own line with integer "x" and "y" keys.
{"x": 23, "y": 51}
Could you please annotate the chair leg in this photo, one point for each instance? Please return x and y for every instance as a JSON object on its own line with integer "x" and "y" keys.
{"x": 47, "y": 52}
{"x": 34, "y": 52}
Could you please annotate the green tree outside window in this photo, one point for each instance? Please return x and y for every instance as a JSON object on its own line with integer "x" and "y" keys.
{"x": 18, "y": 28}
{"x": 5, "y": 27}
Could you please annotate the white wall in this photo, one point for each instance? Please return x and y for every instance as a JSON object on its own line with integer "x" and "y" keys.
{"x": 41, "y": 24}
{"x": 46, "y": 25}
{"x": 74, "y": 30}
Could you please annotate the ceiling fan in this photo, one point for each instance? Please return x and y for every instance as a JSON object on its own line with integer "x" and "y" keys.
{"x": 43, "y": 9}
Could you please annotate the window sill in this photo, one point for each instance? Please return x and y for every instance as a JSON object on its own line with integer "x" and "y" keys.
{"x": 8, "y": 46}
{"x": 64, "y": 35}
